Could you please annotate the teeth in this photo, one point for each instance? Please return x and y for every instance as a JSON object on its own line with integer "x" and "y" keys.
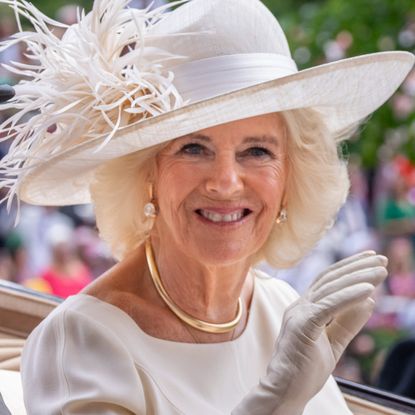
{"x": 217, "y": 217}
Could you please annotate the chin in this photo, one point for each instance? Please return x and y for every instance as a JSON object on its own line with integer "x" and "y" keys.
{"x": 221, "y": 254}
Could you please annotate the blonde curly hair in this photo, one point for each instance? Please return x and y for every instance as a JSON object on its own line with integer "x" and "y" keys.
{"x": 317, "y": 186}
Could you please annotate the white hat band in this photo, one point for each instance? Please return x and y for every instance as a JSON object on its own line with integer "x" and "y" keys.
{"x": 206, "y": 78}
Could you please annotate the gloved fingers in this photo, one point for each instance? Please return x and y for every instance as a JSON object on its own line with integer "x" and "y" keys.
{"x": 345, "y": 261}
{"x": 347, "y": 324}
{"x": 349, "y": 265}
{"x": 309, "y": 320}
{"x": 340, "y": 300}
{"x": 373, "y": 276}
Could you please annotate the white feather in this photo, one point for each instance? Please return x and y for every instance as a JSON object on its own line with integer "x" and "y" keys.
{"x": 81, "y": 85}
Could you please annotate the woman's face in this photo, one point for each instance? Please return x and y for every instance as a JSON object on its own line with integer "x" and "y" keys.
{"x": 220, "y": 190}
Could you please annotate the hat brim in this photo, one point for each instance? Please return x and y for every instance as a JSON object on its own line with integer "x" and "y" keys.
{"x": 344, "y": 92}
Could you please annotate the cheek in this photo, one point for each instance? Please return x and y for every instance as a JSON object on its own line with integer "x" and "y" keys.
{"x": 270, "y": 184}
{"x": 270, "y": 190}
{"x": 174, "y": 182}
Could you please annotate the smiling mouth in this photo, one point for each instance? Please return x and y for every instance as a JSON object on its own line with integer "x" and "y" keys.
{"x": 216, "y": 217}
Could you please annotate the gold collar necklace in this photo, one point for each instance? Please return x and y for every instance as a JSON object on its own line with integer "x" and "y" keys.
{"x": 182, "y": 315}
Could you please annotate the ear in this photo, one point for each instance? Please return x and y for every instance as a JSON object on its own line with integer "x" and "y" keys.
{"x": 287, "y": 162}
{"x": 287, "y": 167}
{"x": 152, "y": 178}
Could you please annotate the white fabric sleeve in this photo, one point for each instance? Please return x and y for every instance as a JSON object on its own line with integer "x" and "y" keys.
{"x": 73, "y": 365}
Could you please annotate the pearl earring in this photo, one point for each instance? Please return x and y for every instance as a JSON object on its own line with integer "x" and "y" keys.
{"x": 150, "y": 210}
{"x": 282, "y": 216}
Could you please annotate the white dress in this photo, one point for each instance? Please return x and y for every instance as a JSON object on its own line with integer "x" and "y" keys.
{"x": 89, "y": 357}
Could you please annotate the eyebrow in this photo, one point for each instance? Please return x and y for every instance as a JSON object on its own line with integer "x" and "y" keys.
{"x": 247, "y": 140}
{"x": 261, "y": 139}
{"x": 198, "y": 136}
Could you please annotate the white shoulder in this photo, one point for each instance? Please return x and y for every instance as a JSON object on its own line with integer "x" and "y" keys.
{"x": 72, "y": 363}
{"x": 277, "y": 290}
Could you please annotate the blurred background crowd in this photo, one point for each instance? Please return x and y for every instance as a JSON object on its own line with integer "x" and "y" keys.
{"x": 58, "y": 251}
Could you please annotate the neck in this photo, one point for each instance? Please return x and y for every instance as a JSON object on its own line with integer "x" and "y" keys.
{"x": 208, "y": 292}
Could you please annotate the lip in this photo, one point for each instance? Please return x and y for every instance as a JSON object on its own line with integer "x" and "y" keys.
{"x": 223, "y": 210}
{"x": 246, "y": 213}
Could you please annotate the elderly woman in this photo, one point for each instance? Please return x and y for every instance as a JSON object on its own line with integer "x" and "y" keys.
{"x": 204, "y": 151}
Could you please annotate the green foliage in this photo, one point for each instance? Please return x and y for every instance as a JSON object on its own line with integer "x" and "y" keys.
{"x": 50, "y": 7}
{"x": 371, "y": 26}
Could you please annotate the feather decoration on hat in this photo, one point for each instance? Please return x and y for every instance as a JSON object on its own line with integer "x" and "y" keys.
{"x": 101, "y": 75}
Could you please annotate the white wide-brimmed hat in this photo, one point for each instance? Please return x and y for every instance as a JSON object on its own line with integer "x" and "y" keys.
{"x": 121, "y": 80}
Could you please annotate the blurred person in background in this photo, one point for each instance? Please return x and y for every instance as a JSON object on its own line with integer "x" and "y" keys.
{"x": 396, "y": 209}
{"x": 67, "y": 274}
{"x": 35, "y": 224}
{"x": 92, "y": 250}
{"x": 397, "y": 374}
{"x": 401, "y": 281}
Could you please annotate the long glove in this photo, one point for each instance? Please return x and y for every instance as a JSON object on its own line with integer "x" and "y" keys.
{"x": 315, "y": 331}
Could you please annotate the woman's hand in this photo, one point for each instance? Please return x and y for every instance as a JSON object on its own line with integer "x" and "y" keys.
{"x": 315, "y": 331}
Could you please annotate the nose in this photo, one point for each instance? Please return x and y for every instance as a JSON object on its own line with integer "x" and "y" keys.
{"x": 225, "y": 178}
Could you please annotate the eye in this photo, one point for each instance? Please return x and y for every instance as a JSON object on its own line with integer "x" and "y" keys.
{"x": 257, "y": 152}
{"x": 193, "y": 149}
